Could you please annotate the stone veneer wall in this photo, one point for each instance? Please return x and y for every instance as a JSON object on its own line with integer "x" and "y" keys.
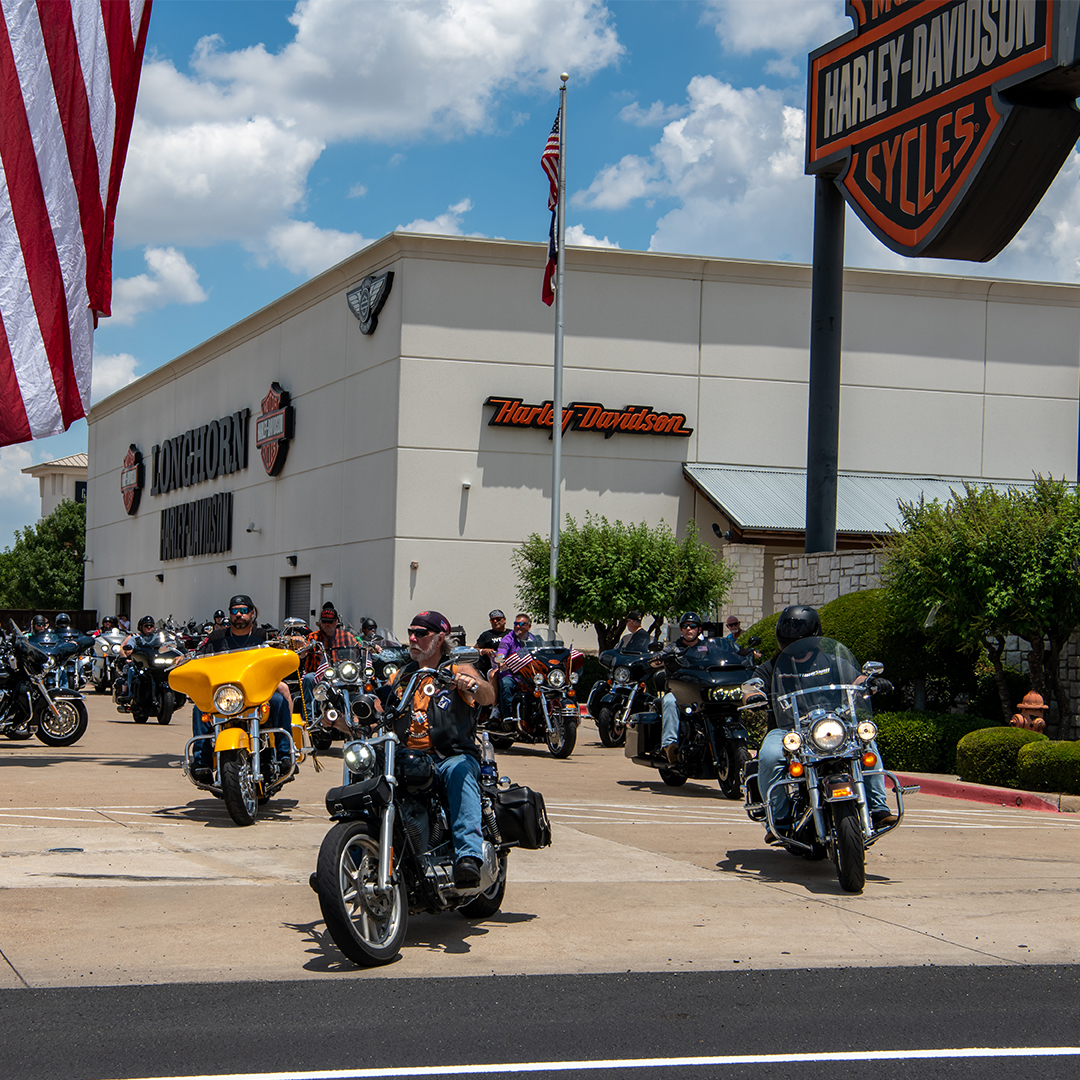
{"x": 746, "y": 599}
{"x": 817, "y": 579}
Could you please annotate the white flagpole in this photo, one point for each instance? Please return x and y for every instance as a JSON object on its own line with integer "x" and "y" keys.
{"x": 557, "y": 391}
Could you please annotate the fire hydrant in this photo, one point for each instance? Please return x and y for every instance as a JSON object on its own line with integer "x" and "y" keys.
{"x": 1031, "y": 713}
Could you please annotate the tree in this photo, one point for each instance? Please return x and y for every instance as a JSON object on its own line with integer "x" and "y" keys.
{"x": 608, "y": 568}
{"x": 990, "y": 564}
{"x": 45, "y": 567}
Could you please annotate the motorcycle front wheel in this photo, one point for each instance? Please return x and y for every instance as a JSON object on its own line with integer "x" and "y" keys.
{"x": 731, "y": 778}
{"x": 66, "y": 727}
{"x": 368, "y": 927}
{"x": 485, "y": 904}
{"x": 561, "y": 741}
{"x": 165, "y": 710}
{"x": 612, "y": 732}
{"x": 850, "y": 852}
{"x": 238, "y": 786}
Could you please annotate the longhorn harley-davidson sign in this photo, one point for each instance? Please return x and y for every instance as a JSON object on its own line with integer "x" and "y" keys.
{"x": 944, "y": 123}
{"x": 588, "y": 416}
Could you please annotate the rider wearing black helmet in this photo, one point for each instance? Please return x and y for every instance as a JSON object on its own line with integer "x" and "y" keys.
{"x": 795, "y": 624}
{"x": 39, "y": 624}
{"x": 690, "y": 625}
{"x": 219, "y": 619}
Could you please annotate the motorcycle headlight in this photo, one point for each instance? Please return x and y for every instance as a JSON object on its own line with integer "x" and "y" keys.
{"x": 49, "y": 664}
{"x": 389, "y": 671}
{"x": 163, "y": 661}
{"x": 556, "y": 678}
{"x": 228, "y": 699}
{"x": 115, "y": 649}
{"x": 368, "y": 672}
{"x": 360, "y": 760}
{"x": 329, "y": 674}
{"x": 538, "y": 679}
{"x": 792, "y": 741}
{"x": 321, "y": 692}
{"x": 867, "y": 731}
{"x": 828, "y": 734}
{"x": 621, "y": 674}
{"x": 348, "y": 671}
{"x": 726, "y": 693}
{"x": 574, "y": 676}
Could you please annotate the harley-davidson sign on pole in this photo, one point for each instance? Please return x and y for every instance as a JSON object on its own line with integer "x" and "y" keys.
{"x": 941, "y": 123}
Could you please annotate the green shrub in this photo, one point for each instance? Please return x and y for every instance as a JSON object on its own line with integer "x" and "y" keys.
{"x": 987, "y": 701}
{"x": 766, "y": 630}
{"x": 1049, "y": 766}
{"x": 988, "y": 756}
{"x": 922, "y": 741}
{"x": 591, "y": 670}
{"x": 858, "y": 620}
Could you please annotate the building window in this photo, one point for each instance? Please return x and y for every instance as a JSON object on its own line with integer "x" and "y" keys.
{"x": 80, "y": 491}
{"x": 298, "y": 597}
{"x": 123, "y": 608}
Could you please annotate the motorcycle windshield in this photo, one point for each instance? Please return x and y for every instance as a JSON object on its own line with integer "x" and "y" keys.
{"x": 638, "y": 643}
{"x": 346, "y": 652}
{"x": 818, "y": 673}
{"x": 713, "y": 654}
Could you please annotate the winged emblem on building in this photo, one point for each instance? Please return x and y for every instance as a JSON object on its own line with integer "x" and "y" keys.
{"x": 366, "y": 300}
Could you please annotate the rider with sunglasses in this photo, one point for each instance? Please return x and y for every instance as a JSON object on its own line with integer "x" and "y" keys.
{"x": 240, "y": 632}
{"x": 519, "y": 638}
{"x": 332, "y": 636}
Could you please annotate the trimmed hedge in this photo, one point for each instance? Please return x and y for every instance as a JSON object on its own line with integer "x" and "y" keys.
{"x": 1049, "y": 766}
{"x": 989, "y": 756}
{"x": 922, "y": 741}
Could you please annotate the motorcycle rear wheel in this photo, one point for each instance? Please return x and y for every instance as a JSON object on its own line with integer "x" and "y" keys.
{"x": 367, "y": 928}
{"x": 612, "y": 732}
{"x": 850, "y": 852}
{"x": 561, "y": 742}
{"x": 65, "y": 729}
{"x": 138, "y": 715}
{"x": 672, "y": 779}
{"x": 485, "y": 904}
{"x": 238, "y": 786}
{"x": 731, "y": 780}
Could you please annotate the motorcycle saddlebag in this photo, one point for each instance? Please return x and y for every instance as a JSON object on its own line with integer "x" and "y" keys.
{"x": 522, "y": 817}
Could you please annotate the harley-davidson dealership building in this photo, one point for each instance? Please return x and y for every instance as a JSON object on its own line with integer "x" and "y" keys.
{"x": 380, "y": 435}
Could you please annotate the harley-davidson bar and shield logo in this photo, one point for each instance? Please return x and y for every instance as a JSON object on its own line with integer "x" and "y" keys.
{"x": 274, "y": 429}
{"x": 367, "y": 299}
{"x": 945, "y": 121}
{"x": 132, "y": 477}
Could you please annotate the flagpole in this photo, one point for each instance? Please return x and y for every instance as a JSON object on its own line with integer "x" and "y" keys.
{"x": 557, "y": 390}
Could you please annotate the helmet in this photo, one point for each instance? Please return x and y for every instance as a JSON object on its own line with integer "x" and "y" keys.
{"x": 146, "y": 622}
{"x": 795, "y": 623}
{"x": 368, "y": 623}
{"x": 690, "y": 618}
{"x": 110, "y": 622}
{"x": 414, "y": 769}
{"x": 38, "y": 623}
{"x": 219, "y": 614}
{"x": 63, "y": 621}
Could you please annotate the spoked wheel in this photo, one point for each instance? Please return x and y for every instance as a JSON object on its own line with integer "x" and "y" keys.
{"x": 612, "y": 731}
{"x": 561, "y": 741}
{"x": 850, "y": 852}
{"x": 238, "y": 786}
{"x": 485, "y": 904}
{"x": 672, "y": 779}
{"x": 366, "y": 925}
{"x": 66, "y": 726}
{"x": 731, "y": 769}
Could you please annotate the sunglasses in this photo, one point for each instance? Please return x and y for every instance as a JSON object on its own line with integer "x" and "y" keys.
{"x": 418, "y": 632}
{"x": 239, "y": 611}
{"x": 330, "y": 620}
{"x": 519, "y": 625}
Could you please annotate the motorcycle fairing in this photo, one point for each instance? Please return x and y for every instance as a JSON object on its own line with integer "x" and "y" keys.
{"x": 257, "y": 671}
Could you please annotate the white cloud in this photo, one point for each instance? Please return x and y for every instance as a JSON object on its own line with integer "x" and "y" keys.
{"x": 616, "y": 186}
{"x": 21, "y": 493}
{"x": 656, "y": 115}
{"x": 357, "y": 191}
{"x": 576, "y": 236}
{"x": 112, "y": 372}
{"x": 789, "y": 28}
{"x": 445, "y": 224}
{"x": 306, "y": 249}
{"x": 172, "y": 280}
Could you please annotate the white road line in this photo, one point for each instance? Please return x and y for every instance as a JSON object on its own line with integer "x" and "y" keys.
{"x": 651, "y": 1063}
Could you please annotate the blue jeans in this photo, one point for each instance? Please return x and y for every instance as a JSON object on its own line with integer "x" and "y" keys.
{"x": 307, "y": 690}
{"x": 460, "y": 776}
{"x": 772, "y": 767}
{"x": 670, "y": 715}
{"x": 280, "y": 717}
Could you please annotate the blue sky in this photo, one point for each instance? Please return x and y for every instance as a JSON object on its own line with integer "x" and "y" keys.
{"x": 273, "y": 139}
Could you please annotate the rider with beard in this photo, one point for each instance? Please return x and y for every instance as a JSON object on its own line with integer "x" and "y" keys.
{"x": 241, "y": 632}
{"x": 443, "y": 725}
{"x": 795, "y": 624}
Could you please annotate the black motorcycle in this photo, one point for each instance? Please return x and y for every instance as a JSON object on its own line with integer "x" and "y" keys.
{"x": 108, "y": 660}
{"x": 390, "y": 853}
{"x": 707, "y": 682}
{"x": 612, "y": 701}
{"x": 153, "y": 656}
{"x": 27, "y": 705}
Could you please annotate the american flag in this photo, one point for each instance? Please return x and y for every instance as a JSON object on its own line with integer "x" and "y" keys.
{"x": 69, "y": 73}
{"x": 516, "y": 661}
{"x": 549, "y": 162}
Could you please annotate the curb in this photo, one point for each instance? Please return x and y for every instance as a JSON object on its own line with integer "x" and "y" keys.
{"x": 992, "y": 796}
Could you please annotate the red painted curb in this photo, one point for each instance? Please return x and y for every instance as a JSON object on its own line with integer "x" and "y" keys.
{"x": 955, "y": 789}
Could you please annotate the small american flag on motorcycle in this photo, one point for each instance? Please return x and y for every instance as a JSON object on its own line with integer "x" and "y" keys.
{"x": 516, "y": 661}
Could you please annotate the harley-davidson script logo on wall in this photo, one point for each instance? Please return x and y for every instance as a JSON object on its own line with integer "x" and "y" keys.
{"x": 367, "y": 299}
{"x": 132, "y": 477}
{"x": 274, "y": 429}
{"x": 945, "y": 121}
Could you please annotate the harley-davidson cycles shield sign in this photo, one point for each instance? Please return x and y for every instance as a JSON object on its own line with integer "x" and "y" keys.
{"x": 132, "y": 478}
{"x": 945, "y": 121}
{"x": 274, "y": 429}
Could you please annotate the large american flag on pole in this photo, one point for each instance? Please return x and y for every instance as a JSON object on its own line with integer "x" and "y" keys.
{"x": 69, "y": 73}
{"x": 549, "y": 162}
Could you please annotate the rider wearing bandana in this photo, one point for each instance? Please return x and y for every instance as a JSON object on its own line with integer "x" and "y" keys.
{"x": 443, "y": 725}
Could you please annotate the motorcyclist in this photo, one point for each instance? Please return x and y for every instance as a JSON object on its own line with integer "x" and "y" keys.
{"x": 796, "y": 623}
{"x": 145, "y": 633}
{"x": 39, "y": 626}
{"x": 110, "y": 622}
{"x": 241, "y": 632}
{"x": 332, "y": 636}
{"x": 488, "y": 641}
{"x": 219, "y": 619}
{"x": 65, "y": 632}
{"x": 443, "y": 725}
{"x": 518, "y": 639}
{"x": 688, "y": 643}
{"x": 633, "y": 625}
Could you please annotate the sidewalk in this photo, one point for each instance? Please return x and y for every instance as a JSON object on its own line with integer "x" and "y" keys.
{"x": 949, "y": 787}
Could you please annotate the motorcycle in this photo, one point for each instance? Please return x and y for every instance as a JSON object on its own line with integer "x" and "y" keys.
{"x": 390, "y": 852}
{"x": 708, "y": 688}
{"x": 543, "y": 707}
{"x": 612, "y": 700}
{"x": 829, "y": 756}
{"x": 27, "y": 705}
{"x": 154, "y": 656}
{"x": 107, "y": 654}
{"x": 232, "y": 691}
{"x": 349, "y": 675}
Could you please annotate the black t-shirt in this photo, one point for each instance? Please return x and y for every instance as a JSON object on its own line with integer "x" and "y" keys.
{"x": 489, "y": 639}
{"x": 224, "y": 640}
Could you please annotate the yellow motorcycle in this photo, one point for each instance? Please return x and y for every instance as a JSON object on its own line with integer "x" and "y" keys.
{"x": 232, "y": 692}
